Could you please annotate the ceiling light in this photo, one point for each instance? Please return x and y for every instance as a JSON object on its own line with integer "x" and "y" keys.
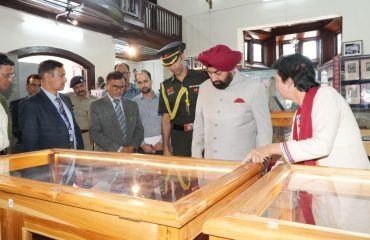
{"x": 131, "y": 51}
{"x": 72, "y": 21}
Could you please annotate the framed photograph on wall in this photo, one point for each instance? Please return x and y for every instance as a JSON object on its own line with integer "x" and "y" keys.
{"x": 352, "y": 48}
{"x": 189, "y": 62}
{"x": 365, "y": 68}
{"x": 352, "y": 70}
{"x": 353, "y": 95}
{"x": 365, "y": 93}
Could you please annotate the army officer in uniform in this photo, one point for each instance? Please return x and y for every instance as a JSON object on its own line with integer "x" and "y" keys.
{"x": 178, "y": 98}
{"x": 81, "y": 104}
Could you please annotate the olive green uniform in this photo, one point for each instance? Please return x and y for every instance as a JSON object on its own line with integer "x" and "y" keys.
{"x": 181, "y": 131}
{"x": 81, "y": 112}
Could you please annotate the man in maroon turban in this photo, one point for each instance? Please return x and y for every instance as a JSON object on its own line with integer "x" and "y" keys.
{"x": 232, "y": 115}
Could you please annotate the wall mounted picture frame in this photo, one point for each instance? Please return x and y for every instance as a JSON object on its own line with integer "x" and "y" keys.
{"x": 353, "y": 95}
{"x": 352, "y": 70}
{"x": 352, "y": 48}
{"x": 189, "y": 62}
{"x": 365, "y": 68}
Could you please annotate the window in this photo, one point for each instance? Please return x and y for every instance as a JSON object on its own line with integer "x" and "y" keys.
{"x": 309, "y": 49}
{"x": 246, "y": 45}
{"x": 288, "y": 48}
{"x": 339, "y": 43}
{"x": 257, "y": 52}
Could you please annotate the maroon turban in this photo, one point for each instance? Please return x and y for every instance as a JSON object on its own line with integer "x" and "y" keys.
{"x": 220, "y": 57}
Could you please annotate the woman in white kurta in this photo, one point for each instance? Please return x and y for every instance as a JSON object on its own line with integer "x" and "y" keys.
{"x": 335, "y": 140}
{"x": 324, "y": 133}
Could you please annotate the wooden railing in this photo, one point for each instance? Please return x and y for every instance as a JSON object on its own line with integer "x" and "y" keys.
{"x": 161, "y": 20}
{"x": 154, "y": 17}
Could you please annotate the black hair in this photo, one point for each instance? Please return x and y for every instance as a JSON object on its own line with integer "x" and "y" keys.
{"x": 116, "y": 75}
{"x": 34, "y": 76}
{"x": 5, "y": 60}
{"x": 147, "y": 73}
{"x": 48, "y": 66}
{"x": 115, "y": 66}
{"x": 299, "y": 68}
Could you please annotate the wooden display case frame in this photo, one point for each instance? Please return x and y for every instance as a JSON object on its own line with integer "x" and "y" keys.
{"x": 242, "y": 218}
{"x": 63, "y": 212}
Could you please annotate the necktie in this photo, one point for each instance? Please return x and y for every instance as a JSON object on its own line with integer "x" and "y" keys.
{"x": 63, "y": 114}
{"x": 121, "y": 117}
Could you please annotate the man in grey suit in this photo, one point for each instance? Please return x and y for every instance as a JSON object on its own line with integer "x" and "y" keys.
{"x": 115, "y": 124}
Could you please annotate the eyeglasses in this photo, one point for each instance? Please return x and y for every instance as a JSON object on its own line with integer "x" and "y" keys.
{"x": 116, "y": 87}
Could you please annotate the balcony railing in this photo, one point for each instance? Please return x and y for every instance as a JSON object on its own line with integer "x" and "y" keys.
{"x": 153, "y": 16}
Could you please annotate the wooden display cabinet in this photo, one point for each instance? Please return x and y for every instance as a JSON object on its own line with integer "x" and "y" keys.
{"x": 272, "y": 207}
{"x": 69, "y": 194}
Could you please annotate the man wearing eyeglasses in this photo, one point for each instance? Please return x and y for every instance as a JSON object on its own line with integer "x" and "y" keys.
{"x": 115, "y": 124}
{"x": 131, "y": 91}
{"x": 6, "y": 77}
{"x": 33, "y": 86}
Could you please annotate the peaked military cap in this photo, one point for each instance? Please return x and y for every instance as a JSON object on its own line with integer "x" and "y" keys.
{"x": 171, "y": 52}
{"x": 76, "y": 80}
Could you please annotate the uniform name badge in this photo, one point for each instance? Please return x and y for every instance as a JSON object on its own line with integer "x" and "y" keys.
{"x": 188, "y": 127}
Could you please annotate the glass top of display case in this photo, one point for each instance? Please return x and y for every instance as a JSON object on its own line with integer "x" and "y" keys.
{"x": 293, "y": 199}
{"x": 135, "y": 176}
{"x": 165, "y": 190}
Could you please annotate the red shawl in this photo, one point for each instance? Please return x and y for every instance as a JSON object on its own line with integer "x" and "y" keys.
{"x": 305, "y": 124}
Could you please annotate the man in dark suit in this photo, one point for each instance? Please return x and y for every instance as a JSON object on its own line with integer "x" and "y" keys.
{"x": 47, "y": 119}
{"x": 32, "y": 87}
{"x": 115, "y": 124}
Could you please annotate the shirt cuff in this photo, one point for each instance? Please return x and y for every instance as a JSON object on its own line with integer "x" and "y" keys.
{"x": 285, "y": 150}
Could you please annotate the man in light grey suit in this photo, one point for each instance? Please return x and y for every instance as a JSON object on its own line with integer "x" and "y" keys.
{"x": 112, "y": 129}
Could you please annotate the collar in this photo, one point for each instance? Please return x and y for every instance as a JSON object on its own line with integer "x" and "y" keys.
{"x": 154, "y": 95}
{"x": 50, "y": 95}
{"x": 112, "y": 99}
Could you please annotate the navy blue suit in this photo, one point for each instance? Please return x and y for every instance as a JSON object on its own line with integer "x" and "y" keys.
{"x": 42, "y": 126}
{"x": 14, "y": 108}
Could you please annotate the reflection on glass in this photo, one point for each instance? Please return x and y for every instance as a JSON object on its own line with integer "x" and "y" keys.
{"x": 145, "y": 179}
{"x": 341, "y": 203}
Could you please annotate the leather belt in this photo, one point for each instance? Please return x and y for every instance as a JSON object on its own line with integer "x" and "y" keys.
{"x": 3, "y": 152}
{"x": 84, "y": 130}
{"x": 183, "y": 127}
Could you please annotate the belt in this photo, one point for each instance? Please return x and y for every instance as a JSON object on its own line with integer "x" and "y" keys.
{"x": 3, "y": 152}
{"x": 183, "y": 127}
{"x": 84, "y": 130}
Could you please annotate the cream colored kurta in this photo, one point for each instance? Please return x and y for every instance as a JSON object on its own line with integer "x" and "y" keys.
{"x": 81, "y": 108}
{"x": 230, "y": 122}
{"x": 336, "y": 140}
{"x": 4, "y": 140}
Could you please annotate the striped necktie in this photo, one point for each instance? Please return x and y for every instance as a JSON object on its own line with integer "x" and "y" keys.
{"x": 121, "y": 117}
{"x": 64, "y": 116}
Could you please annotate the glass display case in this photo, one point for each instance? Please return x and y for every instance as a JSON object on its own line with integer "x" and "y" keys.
{"x": 69, "y": 194}
{"x": 298, "y": 202}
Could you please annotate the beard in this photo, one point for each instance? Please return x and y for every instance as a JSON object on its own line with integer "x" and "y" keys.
{"x": 223, "y": 84}
{"x": 146, "y": 90}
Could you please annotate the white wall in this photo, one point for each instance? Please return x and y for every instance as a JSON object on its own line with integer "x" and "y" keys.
{"x": 19, "y": 30}
{"x": 203, "y": 28}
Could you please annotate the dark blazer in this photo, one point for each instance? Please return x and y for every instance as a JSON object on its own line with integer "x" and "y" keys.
{"x": 14, "y": 109}
{"x": 42, "y": 126}
{"x": 104, "y": 127}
